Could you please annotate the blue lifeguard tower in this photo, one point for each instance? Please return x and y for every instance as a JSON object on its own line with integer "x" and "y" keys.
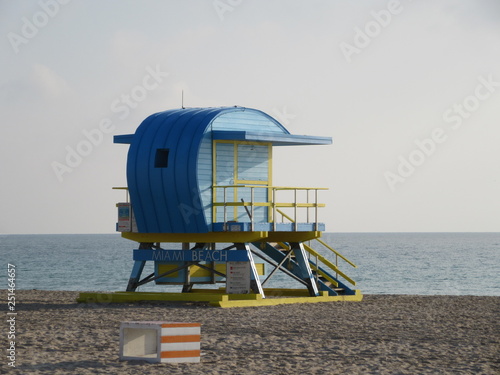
{"x": 202, "y": 206}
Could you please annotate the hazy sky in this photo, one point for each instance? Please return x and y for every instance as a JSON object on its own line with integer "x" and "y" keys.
{"x": 409, "y": 91}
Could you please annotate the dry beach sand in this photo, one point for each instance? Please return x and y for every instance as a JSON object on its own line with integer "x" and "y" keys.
{"x": 384, "y": 334}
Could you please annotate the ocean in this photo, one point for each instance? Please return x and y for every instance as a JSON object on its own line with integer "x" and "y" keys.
{"x": 387, "y": 263}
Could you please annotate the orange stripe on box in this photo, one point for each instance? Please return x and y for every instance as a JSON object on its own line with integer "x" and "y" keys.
{"x": 180, "y": 353}
{"x": 185, "y": 338}
{"x": 174, "y": 325}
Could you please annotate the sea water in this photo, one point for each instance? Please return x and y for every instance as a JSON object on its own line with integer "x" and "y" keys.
{"x": 387, "y": 263}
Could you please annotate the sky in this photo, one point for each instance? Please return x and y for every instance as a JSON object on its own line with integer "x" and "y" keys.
{"x": 408, "y": 90}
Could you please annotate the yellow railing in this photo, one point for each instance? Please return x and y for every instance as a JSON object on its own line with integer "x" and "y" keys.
{"x": 126, "y": 192}
{"x": 325, "y": 261}
{"x": 337, "y": 254}
{"x": 271, "y": 201}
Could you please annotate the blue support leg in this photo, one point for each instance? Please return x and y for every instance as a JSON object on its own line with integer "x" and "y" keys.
{"x": 135, "y": 276}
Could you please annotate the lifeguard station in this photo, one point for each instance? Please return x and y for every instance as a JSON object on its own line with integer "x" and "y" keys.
{"x": 202, "y": 206}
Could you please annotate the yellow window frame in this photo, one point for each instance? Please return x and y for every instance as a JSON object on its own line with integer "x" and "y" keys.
{"x": 237, "y": 181}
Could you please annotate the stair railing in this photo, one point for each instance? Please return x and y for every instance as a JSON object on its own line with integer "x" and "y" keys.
{"x": 325, "y": 261}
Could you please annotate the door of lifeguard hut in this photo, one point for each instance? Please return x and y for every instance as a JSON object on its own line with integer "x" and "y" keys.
{"x": 242, "y": 176}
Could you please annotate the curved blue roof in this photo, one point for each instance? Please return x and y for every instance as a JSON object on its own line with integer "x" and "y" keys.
{"x": 166, "y": 199}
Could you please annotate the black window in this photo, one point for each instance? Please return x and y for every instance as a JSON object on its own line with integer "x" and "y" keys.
{"x": 161, "y": 158}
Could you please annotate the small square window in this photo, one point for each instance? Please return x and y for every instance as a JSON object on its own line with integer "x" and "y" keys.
{"x": 161, "y": 158}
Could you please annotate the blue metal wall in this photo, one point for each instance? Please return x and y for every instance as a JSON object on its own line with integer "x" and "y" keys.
{"x": 205, "y": 176}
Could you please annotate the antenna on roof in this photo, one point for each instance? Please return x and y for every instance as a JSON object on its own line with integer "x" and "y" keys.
{"x": 182, "y": 99}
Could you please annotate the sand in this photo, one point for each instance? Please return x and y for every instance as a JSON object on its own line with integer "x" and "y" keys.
{"x": 383, "y": 334}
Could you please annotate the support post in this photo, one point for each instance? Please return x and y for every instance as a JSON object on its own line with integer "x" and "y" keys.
{"x": 255, "y": 284}
{"x": 186, "y": 288}
{"x": 135, "y": 276}
{"x": 303, "y": 262}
